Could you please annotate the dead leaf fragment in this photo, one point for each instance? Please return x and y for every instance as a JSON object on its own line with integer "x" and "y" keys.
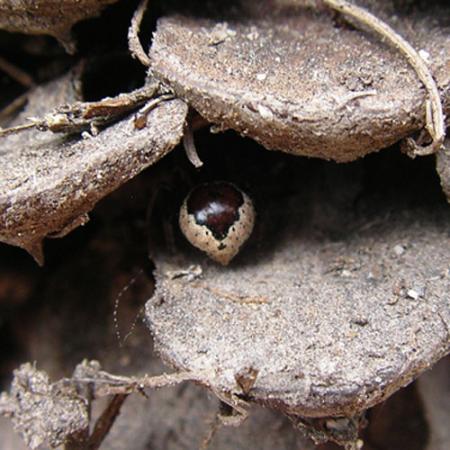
{"x": 48, "y": 16}
{"x": 48, "y": 181}
{"x": 291, "y": 79}
{"x": 42, "y": 411}
{"x": 330, "y": 341}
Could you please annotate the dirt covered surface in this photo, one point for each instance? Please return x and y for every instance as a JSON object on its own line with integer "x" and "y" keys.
{"x": 328, "y": 303}
{"x": 73, "y": 174}
{"x": 297, "y": 79}
{"x": 336, "y": 303}
{"x": 63, "y": 313}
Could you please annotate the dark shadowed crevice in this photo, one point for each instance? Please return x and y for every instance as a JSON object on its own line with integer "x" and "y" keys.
{"x": 111, "y": 75}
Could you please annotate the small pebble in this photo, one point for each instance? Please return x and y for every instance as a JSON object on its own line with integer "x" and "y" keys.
{"x": 399, "y": 250}
{"x": 412, "y": 293}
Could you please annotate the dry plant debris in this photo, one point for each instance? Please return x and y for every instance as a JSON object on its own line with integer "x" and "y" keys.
{"x": 50, "y": 182}
{"x": 59, "y": 413}
{"x": 353, "y": 308}
{"x": 322, "y": 320}
{"x": 179, "y": 415}
{"x": 48, "y": 16}
{"x": 433, "y": 105}
{"x": 334, "y": 115}
{"x": 42, "y": 411}
{"x": 292, "y": 80}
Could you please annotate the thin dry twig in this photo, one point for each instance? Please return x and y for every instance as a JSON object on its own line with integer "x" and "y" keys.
{"x": 14, "y": 106}
{"x": 434, "y": 113}
{"x": 134, "y": 44}
{"x": 104, "y": 383}
{"x": 214, "y": 426}
{"x": 106, "y": 421}
{"x": 7, "y": 131}
{"x": 190, "y": 148}
{"x": 80, "y": 116}
{"x": 16, "y": 73}
{"x": 238, "y": 409}
{"x": 140, "y": 121}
